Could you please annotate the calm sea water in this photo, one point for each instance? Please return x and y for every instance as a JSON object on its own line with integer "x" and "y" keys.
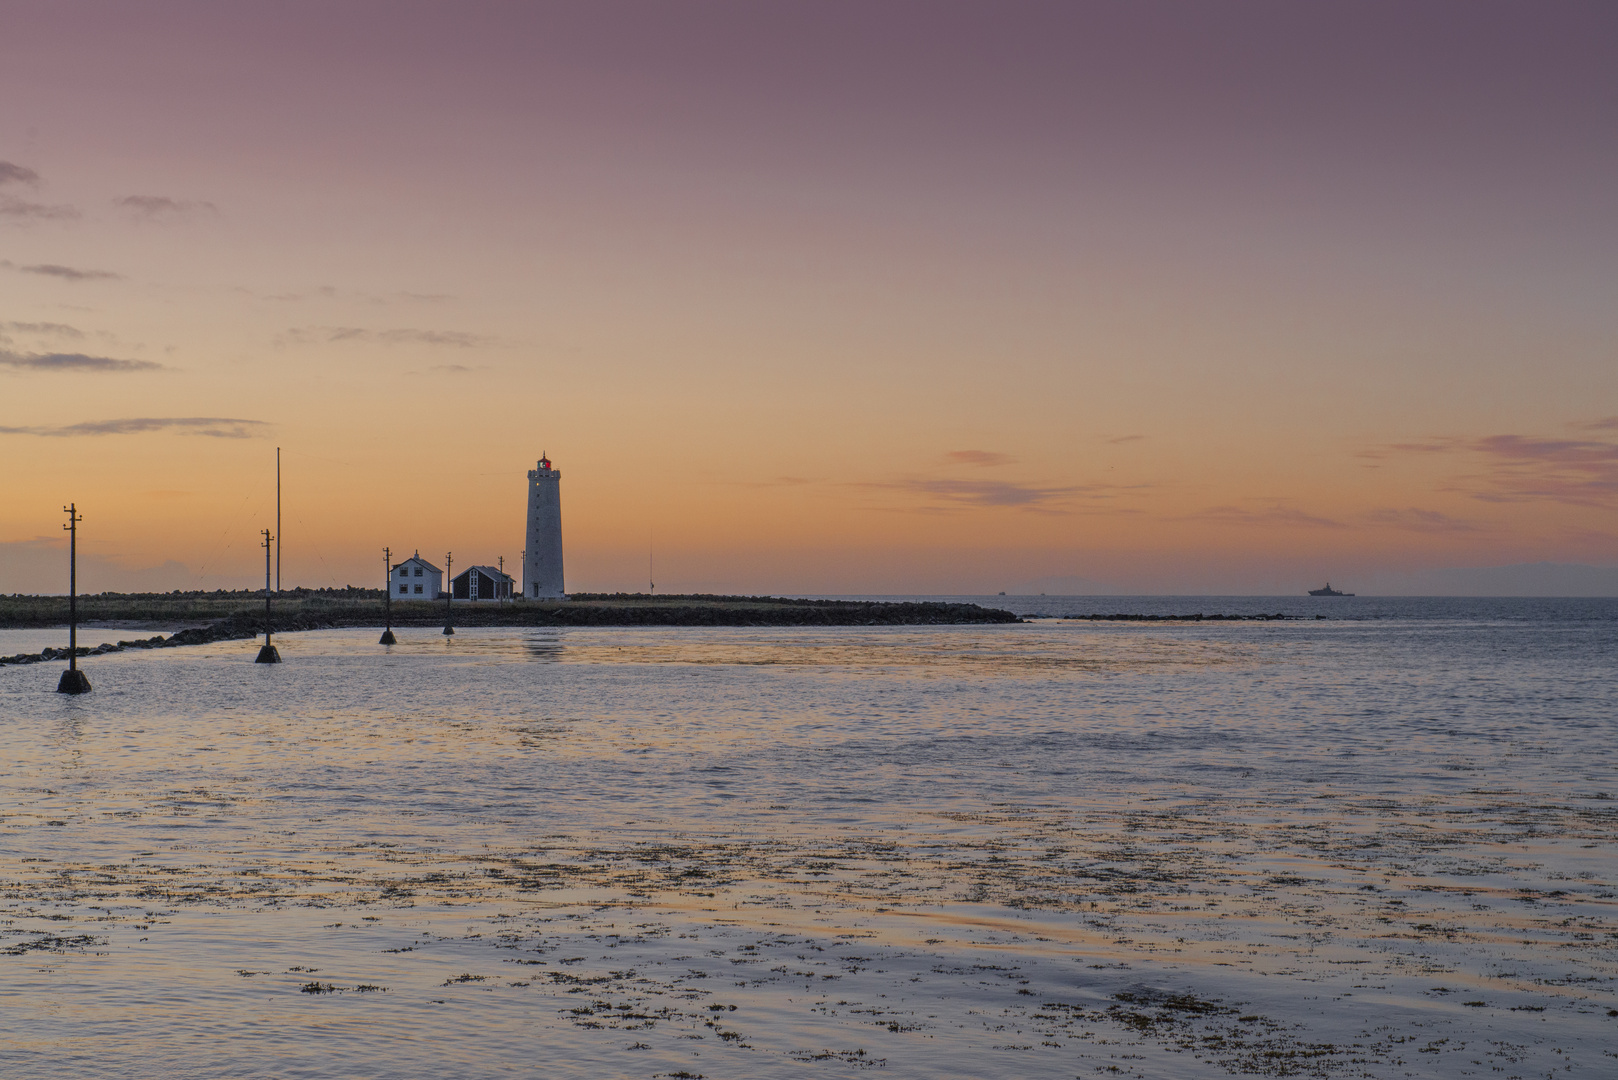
{"x": 1376, "y": 844}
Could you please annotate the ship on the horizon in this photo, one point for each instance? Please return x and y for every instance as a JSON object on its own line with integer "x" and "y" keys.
{"x": 1328, "y": 591}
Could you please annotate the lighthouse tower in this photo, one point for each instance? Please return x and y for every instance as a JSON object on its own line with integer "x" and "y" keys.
{"x": 542, "y": 558}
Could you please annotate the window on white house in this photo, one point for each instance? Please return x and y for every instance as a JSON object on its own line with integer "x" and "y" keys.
{"x": 418, "y": 571}
{"x": 418, "y": 588}
{"x": 404, "y": 588}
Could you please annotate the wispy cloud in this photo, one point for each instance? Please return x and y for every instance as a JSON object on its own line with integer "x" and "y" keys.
{"x": 57, "y": 329}
{"x": 992, "y": 492}
{"x": 12, "y": 173}
{"x": 1418, "y": 520}
{"x": 22, "y": 210}
{"x": 328, "y": 292}
{"x": 1523, "y": 468}
{"x": 979, "y": 457}
{"x": 1426, "y": 446}
{"x": 156, "y": 206}
{"x": 1126, "y": 438}
{"x": 1583, "y": 471}
{"x": 72, "y": 362}
{"x": 455, "y": 339}
{"x": 218, "y": 427}
{"x": 1273, "y": 514}
{"x": 66, "y": 273}
{"x": 950, "y": 492}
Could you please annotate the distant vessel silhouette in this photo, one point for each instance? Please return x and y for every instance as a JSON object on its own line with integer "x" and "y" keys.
{"x": 1328, "y": 591}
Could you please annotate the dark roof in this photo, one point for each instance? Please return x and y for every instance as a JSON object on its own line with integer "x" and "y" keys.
{"x": 422, "y": 561}
{"x": 488, "y": 571}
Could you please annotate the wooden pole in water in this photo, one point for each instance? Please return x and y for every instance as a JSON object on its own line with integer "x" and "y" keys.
{"x": 387, "y": 599}
{"x": 449, "y": 568}
{"x": 73, "y": 680}
{"x": 267, "y": 655}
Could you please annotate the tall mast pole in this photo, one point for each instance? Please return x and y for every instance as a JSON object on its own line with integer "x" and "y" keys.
{"x": 73, "y": 680}
{"x": 277, "y": 518}
{"x": 500, "y": 587}
{"x": 387, "y": 598}
{"x": 268, "y": 654}
{"x": 449, "y": 593}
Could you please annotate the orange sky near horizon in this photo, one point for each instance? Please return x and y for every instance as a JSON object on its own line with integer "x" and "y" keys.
{"x": 1059, "y": 295}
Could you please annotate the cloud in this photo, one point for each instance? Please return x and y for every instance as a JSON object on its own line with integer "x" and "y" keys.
{"x": 1522, "y": 468}
{"x": 454, "y": 369}
{"x": 11, "y": 173}
{"x": 981, "y": 493}
{"x": 991, "y": 492}
{"x": 1276, "y": 514}
{"x": 70, "y": 273}
{"x": 218, "y": 427}
{"x": 1606, "y": 423}
{"x": 327, "y": 292}
{"x": 1126, "y": 438}
{"x": 1580, "y": 471}
{"x": 22, "y": 210}
{"x": 154, "y": 206}
{"x": 59, "y": 329}
{"x": 457, "y": 339}
{"x": 979, "y": 457}
{"x": 1417, "y": 520}
{"x": 72, "y": 362}
{"x": 1576, "y": 452}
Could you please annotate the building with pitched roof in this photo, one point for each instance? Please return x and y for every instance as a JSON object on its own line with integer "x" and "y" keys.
{"x": 481, "y": 583}
{"x": 416, "y": 579}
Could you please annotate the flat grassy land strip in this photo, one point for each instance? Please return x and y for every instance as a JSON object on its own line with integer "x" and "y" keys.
{"x": 241, "y": 614}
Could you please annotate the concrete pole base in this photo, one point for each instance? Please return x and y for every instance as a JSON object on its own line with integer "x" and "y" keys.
{"x": 449, "y": 629}
{"x": 73, "y": 681}
{"x": 387, "y": 638}
{"x": 268, "y": 655}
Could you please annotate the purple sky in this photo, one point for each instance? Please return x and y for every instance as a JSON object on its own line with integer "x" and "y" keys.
{"x": 1177, "y": 268}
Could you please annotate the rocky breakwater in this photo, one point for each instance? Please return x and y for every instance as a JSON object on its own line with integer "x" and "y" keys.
{"x": 593, "y": 610}
{"x": 233, "y": 628}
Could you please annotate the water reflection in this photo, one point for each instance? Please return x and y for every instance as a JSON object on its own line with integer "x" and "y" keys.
{"x": 546, "y": 648}
{"x": 1031, "y": 850}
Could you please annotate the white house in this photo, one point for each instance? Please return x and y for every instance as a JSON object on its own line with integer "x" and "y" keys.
{"x": 416, "y": 579}
{"x": 481, "y": 583}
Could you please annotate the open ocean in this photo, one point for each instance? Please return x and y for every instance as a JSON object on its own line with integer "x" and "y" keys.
{"x": 1375, "y": 844}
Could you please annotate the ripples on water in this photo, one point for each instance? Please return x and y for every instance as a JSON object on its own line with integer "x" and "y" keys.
{"x": 1354, "y": 847}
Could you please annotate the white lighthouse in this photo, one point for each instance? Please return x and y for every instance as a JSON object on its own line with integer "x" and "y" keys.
{"x": 542, "y": 558}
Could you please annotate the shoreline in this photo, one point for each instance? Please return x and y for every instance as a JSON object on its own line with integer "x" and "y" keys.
{"x": 233, "y": 616}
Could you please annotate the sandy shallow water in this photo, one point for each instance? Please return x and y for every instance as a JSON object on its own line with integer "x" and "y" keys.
{"x": 1342, "y": 848}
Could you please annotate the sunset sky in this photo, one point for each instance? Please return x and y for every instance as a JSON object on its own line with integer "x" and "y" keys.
{"x": 810, "y": 297}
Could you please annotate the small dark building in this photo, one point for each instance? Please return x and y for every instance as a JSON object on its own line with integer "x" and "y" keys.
{"x": 481, "y": 583}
